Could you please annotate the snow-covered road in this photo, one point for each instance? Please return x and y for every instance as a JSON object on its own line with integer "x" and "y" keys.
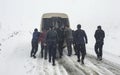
{"x": 69, "y": 66}
{"x": 15, "y": 60}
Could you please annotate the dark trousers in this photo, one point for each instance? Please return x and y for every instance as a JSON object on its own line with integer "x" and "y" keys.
{"x": 43, "y": 51}
{"x": 52, "y": 51}
{"x": 69, "y": 46}
{"x": 98, "y": 50}
{"x": 60, "y": 47}
{"x": 81, "y": 49}
{"x": 34, "y": 48}
{"x": 75, "y": 48}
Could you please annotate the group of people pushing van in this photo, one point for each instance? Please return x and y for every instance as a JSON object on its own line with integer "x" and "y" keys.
{"x": 53, "y": 39}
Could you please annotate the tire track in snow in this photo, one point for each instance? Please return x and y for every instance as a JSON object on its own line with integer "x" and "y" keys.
{"x": 107, "y": 72}
{"x": 67, "y": 66}
{"x": 48, "y": 69}
{"x": 63, "y": 70}
{"x": 70, "y": 66}
{"x": 109, "y": 66}
{"x": 85, "y": 68}
{"x": 103, "y": 68}
{"x": 88, "y": 69}
{"x": 77, "y": 66}
{"x": 59, "y": 69}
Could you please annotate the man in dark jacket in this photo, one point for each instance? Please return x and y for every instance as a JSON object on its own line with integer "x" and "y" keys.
{"x": 51, "y": 41}
{"x": 60, "y": 32}
{"x": 99, "y": 37}
{"x": 35, "y": 40}
{"x": 74, "y": 43}
{"x": 80, "y": 40}
{"x": 69, "y": 39}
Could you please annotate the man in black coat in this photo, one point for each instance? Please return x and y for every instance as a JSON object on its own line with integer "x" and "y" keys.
{"x": 35, "y": 40}
{"x": 80, "y": 40}
{"x": 51, "y": 41}
{"x": 99, "y": 37}
{"x": 60, "y": 32}
{"x": 74, "y": 43}
{"x": 69, "y": 39}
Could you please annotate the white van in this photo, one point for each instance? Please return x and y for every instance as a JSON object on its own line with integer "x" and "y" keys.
{"x": 55, "y": 19}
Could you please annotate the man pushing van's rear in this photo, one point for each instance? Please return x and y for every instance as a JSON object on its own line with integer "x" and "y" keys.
{"x": 51, "y": 41}
{"x": 35, "y": 40}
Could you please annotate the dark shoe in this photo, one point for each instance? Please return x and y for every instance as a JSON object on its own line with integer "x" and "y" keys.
{"x": 82, "y": 62}
{"x": 41, "y": 56}
{"x": 75, "y": 54}
{"x": 45, "y": 58}
{"x": 31, "y": 55}
{"x": 69, "y": 55}
{"x": 49, "y": 61}
{"x": 78, "y": 60}
{"x": 34, "y": 56}
{"x": 53, "y": 64}
{"x": 60, "y": 56}
{"x": 100, "y": 58}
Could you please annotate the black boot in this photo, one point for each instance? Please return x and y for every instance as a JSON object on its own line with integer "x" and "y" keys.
{"x": 82, "y": 62}
{"x": 41, "y": 55}
{"x": 45, "y": 58}
{"x": 49, "y": 60}
{"x": 97, "y": 57}
{"x": 100, "y": 58}
{"x": 53, "y": 64}
{"x": 78, "y": 60}
{"x": 31, "y": 54}
{"x": 34, "y": 56}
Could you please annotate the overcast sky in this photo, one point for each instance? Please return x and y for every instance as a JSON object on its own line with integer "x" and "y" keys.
{"x": 86, "y": 12}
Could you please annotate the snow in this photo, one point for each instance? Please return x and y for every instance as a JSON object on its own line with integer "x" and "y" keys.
{"x": 19, "y": 18}
{"x": 15, "y": 59}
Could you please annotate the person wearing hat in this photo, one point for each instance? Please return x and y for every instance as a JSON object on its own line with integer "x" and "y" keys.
{"x": 80, "y": 40}
{"x": 35, "y": 40}
{"x": 99, "y": 37}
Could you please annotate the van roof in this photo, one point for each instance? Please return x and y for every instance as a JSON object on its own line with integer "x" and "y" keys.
{"x": 49, "y": 15}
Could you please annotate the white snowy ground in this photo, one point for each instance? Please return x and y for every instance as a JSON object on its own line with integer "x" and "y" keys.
{"x": 15, "y": 47}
